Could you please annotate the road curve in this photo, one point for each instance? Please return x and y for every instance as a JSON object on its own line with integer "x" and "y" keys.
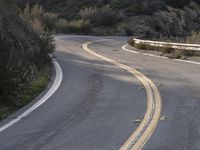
{"x": 147, "y": 126}
{"x": 97, "y": 103}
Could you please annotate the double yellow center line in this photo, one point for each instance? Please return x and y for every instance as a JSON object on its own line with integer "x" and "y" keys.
{"x": 152, "y": 116}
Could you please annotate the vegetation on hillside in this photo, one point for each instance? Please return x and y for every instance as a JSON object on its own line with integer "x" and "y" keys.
{"x": 168, "y": 51}
{"x": 193, "y": 39}
{"x": 49, "y": 22}
{"x": 24, "y": 59}
{"x": 149, "y": 18}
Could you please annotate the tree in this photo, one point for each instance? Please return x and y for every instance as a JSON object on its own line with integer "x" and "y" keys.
{"x": 178, "y": 3}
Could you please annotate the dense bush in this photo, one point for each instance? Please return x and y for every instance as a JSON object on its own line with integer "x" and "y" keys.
{"x": 150, "y": 18}
{"x": 76, "y": 26}
{"x": 136, "y": 7}
{"x": 44, "y": 21}
{"x": 194, "y": 38}
{"x": 178, "y": 3}
{"x": 39, "y": 18}
{"x": 23, "y": 55}
{"x": 103, "y": 16}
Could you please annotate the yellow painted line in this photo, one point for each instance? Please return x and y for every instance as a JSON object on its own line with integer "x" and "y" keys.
{"x": 147, "y": 126}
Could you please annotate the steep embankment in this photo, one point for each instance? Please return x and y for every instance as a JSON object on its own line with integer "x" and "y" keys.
{"x": 24, "y": 60}
{"x": 138, "y": 17}
{"x": 169, "y": 22}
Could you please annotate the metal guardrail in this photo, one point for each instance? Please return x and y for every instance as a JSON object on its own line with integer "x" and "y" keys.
{"x": 182, "y": 46}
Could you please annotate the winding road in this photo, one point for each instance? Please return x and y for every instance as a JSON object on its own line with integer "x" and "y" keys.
{"x": 111, "y": 99}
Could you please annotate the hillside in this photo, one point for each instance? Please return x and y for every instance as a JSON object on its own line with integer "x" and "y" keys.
{"x": 23, "y": 58}
{"x": 138, "y": 17}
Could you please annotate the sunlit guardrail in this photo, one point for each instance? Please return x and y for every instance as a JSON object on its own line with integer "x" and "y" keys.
{"x": 182, "y": 46}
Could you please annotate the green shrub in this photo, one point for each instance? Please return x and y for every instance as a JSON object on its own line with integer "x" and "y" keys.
{"x": 103, "y": 16}
{"x": 188, "y": 53}
{"x": 142, "y": 46}
{"x": 76, "y": 26}
{"x": 37, "y": 85}
{"x": 167, "y": 49}
{"x": 49, "y": 20}
{"x": 197, "y": 54}
{"x": 194, "y": 38}
{"x": 46, "y": 47}
{"x": 39, "y": 18}
{"x": 24, "y": 55}
{"x": 79, "y": 26}
{"x": 131, "y": 42}
{"x": 62, "y": 25}
{"x": 128, "y": 28}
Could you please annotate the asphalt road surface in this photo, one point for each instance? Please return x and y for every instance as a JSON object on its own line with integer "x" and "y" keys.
{"x": 99, "y": 105}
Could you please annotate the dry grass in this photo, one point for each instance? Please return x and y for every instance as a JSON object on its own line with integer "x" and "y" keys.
{"x": 169, "y": 51}
{"x": 144, "y": 46}
{"x": 33, "y": 90}
{"x": 194, "y": 38}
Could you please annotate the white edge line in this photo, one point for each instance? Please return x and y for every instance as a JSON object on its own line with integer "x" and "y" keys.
{"x": 51, "y": 91}
{"x": 155, "y": 56}
{"x": 187, "y": 61}
{"x": 132, "y": 51}
{"x": 151, "y": 55}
